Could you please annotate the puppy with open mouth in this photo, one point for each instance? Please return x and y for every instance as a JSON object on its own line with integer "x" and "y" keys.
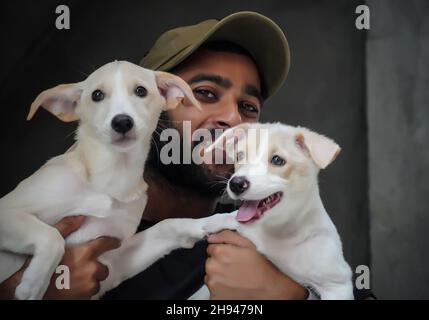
{"x": 275, "y": 178}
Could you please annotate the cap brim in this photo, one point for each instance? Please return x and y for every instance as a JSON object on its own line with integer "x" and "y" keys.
{"x": 259, "y": 35}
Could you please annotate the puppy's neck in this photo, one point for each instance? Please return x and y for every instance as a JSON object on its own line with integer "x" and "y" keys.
{"x": 299, "y": 211}
{"x": 116, "y": 173}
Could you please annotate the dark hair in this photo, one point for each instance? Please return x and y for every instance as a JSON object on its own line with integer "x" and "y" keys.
{"x": 232, "y": 47}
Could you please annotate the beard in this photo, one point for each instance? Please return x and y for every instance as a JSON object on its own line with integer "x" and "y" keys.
{"x": 202, "y": 179}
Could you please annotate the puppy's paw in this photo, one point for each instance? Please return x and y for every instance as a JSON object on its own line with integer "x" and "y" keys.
{"x": 190, "y": 231}
{"x": 27, "y": 290}
{"x": 188, "y": 241}
{"x": 219, "y": 222}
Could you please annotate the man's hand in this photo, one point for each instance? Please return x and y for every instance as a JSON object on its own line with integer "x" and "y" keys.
{"x": 85, "y": 270}
{"x": 236, "y": 270}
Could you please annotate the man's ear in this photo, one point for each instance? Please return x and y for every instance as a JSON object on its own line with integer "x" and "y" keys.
{"x": 321, "y": 149}
{"x": 175, "y": 90}
{"x": 61, "y": 101}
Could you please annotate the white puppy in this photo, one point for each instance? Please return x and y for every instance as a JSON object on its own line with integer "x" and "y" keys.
{"x": 118, "y": 107}
{"x": 282, "y": 213}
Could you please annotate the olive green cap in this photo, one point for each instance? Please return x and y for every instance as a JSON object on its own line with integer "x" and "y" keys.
{"x": 257, "y": 34}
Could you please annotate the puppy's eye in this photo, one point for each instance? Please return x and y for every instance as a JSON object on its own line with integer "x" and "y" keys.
{"x": 97, "y": 95}
{"x": 240, "y": 155}
{"x": 278, "y": 161}
{"x": 141, "y": 91}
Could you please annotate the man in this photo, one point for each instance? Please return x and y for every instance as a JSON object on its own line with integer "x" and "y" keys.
{"x": 232, "y": 66}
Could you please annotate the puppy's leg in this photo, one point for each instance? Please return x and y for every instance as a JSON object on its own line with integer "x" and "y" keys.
{"x": 338, "y": 292}
{"x": 145, "y": 248}
{"x": 219, "y": 222}
{"x": 28, "y": 235}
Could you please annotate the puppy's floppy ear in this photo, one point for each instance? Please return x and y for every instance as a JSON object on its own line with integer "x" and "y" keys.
{"x": 61, "y": 101}
{"x": 175, "y": 90}
{"x": 321, "y": 149}
{"x": 229, "y": 138}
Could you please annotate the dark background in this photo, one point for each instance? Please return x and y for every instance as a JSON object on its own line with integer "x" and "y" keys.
{"x": 326, "y": 91}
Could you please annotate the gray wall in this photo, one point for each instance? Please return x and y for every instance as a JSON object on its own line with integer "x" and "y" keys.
{"x": 398, "y": 135}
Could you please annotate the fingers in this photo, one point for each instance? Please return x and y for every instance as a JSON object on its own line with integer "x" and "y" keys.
{"x": 98, "y": 272}
{"x": 102, "y": 272}
{"x": 88, "y": 290}
{"x": 211, "y": 268}
{"x": 65, "y": 227}
{"x": 230, "y": 237}
{"x": 100, "y": 245}
{"x": 214, "y": 278}
{"x": 214, "y": 250}
{"x": 95, "y": 288}
{"x": 68, "y": 225}
{"x": 26, "y": 263}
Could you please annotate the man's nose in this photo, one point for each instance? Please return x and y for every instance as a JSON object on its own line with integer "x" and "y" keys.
{"x": 226, "y": 115}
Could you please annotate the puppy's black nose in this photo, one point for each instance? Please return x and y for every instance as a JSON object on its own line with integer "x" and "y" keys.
{"x": 122, "y": 123}
{"x": 238, "y": 185}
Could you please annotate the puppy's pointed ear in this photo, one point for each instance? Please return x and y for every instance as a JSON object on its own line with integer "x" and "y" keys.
{"x": 175, "y": 90}
{"x": 321, "y": 149}
{"x": 61, "y": 101}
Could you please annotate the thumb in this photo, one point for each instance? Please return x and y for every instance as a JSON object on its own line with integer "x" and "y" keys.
{"x": 68, "y": 225}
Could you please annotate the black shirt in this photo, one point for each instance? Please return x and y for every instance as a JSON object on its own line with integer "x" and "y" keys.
{"x": 175, "y": 276}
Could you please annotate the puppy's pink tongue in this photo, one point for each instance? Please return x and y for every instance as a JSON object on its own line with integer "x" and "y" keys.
{"x": 247, "y": 211}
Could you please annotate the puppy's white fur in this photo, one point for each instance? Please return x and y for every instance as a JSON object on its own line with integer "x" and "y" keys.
{"x": 296, "y": 234}
{"x": 102, "y": 177}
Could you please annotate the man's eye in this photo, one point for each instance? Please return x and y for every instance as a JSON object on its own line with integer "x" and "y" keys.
{"x": 249, "y": 107}
{"x": 205, "y": 94}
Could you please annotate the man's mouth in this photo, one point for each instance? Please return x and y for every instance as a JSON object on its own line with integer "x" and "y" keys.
{"x": 254, "y": 209}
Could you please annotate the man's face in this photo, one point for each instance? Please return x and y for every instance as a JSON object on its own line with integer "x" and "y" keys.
{"x": 228, "y": 87}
